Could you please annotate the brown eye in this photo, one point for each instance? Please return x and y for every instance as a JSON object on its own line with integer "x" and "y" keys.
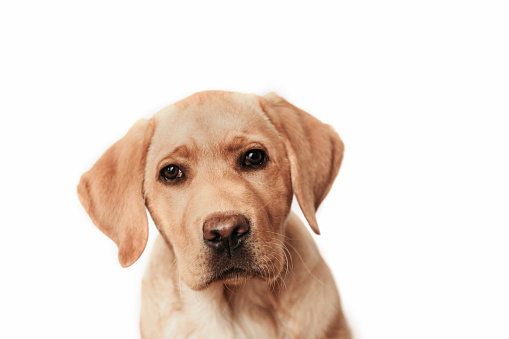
{"x": 254, "y": 157}
{"x": 171, "y": 172}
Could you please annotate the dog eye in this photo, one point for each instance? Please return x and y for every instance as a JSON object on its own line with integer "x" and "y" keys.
{"x": 172, "y": 172}
{"x": 254, "y": 157}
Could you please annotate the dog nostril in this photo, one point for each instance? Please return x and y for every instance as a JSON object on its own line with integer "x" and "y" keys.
{"x": 241, "y": 229}
{"x": 211, "y": 236}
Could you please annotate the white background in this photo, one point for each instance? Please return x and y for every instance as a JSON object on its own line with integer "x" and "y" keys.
{"x": 416, "y": 227}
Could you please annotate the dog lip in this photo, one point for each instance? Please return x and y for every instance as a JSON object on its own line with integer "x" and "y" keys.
{"x": 232, "y": 270}
{"x": 233, "y": 273}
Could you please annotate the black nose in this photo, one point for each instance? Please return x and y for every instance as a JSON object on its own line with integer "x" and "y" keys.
{"x": 225, "y": 232}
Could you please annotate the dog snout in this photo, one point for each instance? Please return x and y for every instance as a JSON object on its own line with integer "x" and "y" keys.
{"x": 225, "y": 232}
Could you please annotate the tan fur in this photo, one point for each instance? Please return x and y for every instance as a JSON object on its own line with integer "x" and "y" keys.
{"x": 288, "y": 290}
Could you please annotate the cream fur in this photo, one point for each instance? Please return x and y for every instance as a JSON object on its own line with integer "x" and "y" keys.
{"x": 285, "y": 289}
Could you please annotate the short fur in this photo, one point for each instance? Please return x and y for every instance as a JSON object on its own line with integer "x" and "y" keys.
{"x": 286, "y": 290}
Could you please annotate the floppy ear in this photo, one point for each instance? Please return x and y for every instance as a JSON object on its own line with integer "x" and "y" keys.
{"x": 112, "y": 192}
{"x": 315, "y": 151}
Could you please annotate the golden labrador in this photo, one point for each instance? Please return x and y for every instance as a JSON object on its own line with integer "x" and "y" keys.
{"x": 217, "y": 171}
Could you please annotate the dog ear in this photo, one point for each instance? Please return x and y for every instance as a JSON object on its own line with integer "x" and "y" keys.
{"x": 315, "y": 151}
{"x": 112, "y": 192}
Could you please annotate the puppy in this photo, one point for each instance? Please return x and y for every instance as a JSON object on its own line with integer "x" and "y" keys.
{"x": 217, "y": 171}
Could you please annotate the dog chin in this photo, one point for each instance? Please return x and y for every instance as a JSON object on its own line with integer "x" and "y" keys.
{"x": 233, "y": 276}
{"x": 238, "y": 276}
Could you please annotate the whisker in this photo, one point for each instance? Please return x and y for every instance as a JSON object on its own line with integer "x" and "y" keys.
{"x": 280, "y": 234}
{"x": 304, "y": 264}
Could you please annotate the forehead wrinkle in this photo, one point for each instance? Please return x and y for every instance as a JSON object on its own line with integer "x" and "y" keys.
{"x": 237, "y": 142}
{"x": 181, "y": 152}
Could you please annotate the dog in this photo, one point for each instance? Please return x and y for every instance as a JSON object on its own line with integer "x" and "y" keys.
{"x": 217, "y": 172}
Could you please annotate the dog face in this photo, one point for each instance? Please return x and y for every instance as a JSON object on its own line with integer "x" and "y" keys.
{"x": 217, "y": 172}
{"x": 218, "y": 185}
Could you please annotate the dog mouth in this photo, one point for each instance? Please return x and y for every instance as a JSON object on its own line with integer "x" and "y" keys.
{"x": 240, "y": 269}
{"x": 233, "y": 275}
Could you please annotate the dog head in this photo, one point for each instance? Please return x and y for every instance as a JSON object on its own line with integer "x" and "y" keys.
{"x": 217, "y": 172}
